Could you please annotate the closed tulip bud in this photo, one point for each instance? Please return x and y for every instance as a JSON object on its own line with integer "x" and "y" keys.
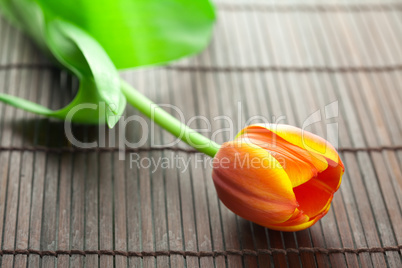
{"x": 277, "y": 176}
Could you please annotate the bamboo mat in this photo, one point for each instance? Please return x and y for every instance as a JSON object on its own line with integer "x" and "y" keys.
{"x": 289, "y": 62}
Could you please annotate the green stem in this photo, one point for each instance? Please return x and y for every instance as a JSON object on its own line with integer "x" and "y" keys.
{"x": 168, "y": 122}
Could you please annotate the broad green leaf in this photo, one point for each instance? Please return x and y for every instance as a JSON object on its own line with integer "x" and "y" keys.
{"x": 140, "y": 32}
{"x": 94, "y": 39}
{"x": 82, "y": 55}
{"x": 99, "y": 78}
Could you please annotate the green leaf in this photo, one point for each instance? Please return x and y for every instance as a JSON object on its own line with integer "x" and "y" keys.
{"x": 140, "y": 32}
{"x": 82, "y": 55}
{"x": 94, "y": 39}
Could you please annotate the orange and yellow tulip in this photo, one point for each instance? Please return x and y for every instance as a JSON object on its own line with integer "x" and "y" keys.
{"x": 278, "y": 176}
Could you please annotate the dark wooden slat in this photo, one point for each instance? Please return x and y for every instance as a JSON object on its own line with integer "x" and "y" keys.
{"x": 4, "y": 167}
{"x": 380, "y": 212}
{"x": 49, "y": 231}
{"x": 146, "y": 213}
{"x": 393, "y": 135}
{"x": 304, "y": 240}
{"x": 349, "y": 110}
{"x": 28, "y": 84}
{"x": 36, "y": 207}
{"x": 185, "y": 101}
{"x": 368, "y": 81}
{"x": 14, "y": 161}
{"x": 120, "y": 216}
{"x": 382, "y": 138}
{"x": 91, "y": 209}
{"x": 197, "y": 178}
{"x": 64, "y": 200}
{"x": 49, "y": 218}
{"x": 317, "y": 239}
{"x": 174, "y": 215}
{"x": 393, "y": 208}
{"x": 376, "y": 29}
{"x": 12, "y": 206}
{"x": 105, "y": 208}
{"x": 158, "y": 183}
{"x": 159, "y": 211}
{"x": 276, "y": 241}
{"x": 346, "y": 238}
{"x": 17, "y": 140}
{"x": 146, "y": 210}
{"x": 202, "y": 216}
{"x": 22, "y": 228}
{"x": 363, "y": 209}
{"x": 203, "y": 184}
{"x": 359, "y": 238}
{"x": 188, "y": 214}
{"x": 332, "y": 237}
{"x": 10, "y": 162}
{"x": 174, "y": 232}
{"x": 290, "y": 242}
{"x": 208, "y": 87}
{"x": 395, "y": 173}
{"x": 77, "y": 217}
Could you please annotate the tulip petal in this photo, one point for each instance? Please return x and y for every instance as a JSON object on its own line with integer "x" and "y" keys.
{"x": 298, "y": 217}
{"x": 301, "y": 138}
{"x": 253, "y": 184}
{"x": 313, "y": 196}
{"x": 294, "y": 227}
{"x": 298, "y": 163}
{"x": 332, "y": 176}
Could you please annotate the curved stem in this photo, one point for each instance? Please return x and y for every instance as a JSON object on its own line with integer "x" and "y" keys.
{"x": 168, "y": 122}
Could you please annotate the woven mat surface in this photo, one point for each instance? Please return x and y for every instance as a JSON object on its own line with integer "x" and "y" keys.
{"x": 332, "y": 67}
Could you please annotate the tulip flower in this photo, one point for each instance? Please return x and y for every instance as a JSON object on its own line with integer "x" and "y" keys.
{"x": 278, "y": 176}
